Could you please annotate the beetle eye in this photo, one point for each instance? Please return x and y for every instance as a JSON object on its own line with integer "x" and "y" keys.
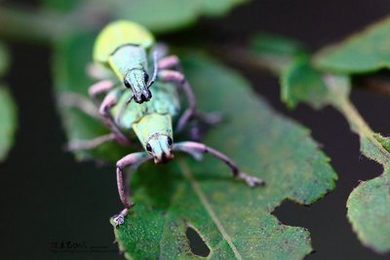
{"x": 148, "y": 147}
{"x": 146, "y": 78}
{"x": 127, "y": 84}
{"x": 169, "y": 141}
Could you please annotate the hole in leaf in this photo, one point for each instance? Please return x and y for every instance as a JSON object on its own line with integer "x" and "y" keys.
{"x": 197, "y": 245}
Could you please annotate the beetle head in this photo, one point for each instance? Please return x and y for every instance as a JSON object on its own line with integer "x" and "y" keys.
{"x": 137, "y": 80}
{"x": 160, "y": 147}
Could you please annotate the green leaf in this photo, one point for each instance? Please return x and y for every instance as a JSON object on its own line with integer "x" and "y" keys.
{"x": 385, "y": 141}
{"x": 288, "y": 59}
{"x": 156, "y": 15}
{"x": 232, "y": 219}
{"x": 368, "y": 205}
{"x": 61, "y": 5}
{"x": 361, "y": 53}
{"x": 277, "y": 52}
{"x": 8, "y": 120}
{"x": 369, "y": 212}
{"x": 300, "y": 82}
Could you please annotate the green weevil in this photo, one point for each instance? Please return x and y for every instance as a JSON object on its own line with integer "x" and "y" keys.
{"x": 128, "y": 50}
{"x": 152, "y": 123}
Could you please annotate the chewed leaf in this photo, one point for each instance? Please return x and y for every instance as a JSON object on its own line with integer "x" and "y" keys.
{"x": 8, "y": 120}
{"x": 157, "y": 15}
{"x": 364, "y": 52}
{"x": 232, "y": 219}
{"x": 385, "y": 141}
{"x": 369, "y": 212}
{"x": 302, "y": 82}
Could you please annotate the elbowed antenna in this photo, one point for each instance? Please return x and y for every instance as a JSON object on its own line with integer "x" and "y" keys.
{"x": 155, "y": 70}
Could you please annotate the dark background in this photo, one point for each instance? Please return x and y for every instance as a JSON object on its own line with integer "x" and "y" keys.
{"x": 47, "y": 198}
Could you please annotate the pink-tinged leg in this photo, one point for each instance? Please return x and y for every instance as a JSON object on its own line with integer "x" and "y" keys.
{"x": 108, "y": 102}
{"x": 132, "y": 160}
{"x": 178, "y": 78}
{"x": 197, "y": 149}
{"x": 90, "y": 144}
{"x": 101, "y": 87}
{"x": 169, "y": 62}
{"x": 80, "y": 102}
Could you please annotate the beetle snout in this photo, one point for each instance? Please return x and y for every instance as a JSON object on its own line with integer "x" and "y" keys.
{"x": 145, "y": 95}
{"x": 164, "y": 157}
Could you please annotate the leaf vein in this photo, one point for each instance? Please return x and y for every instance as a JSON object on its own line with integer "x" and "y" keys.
{"x": 198, "y": 190}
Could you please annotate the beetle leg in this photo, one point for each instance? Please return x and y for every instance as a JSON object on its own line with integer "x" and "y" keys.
{"x": 104, "y": 110}
{"x": 90, "y": 144}
{"x": 132, "y": 160}
{"x": 169, "y": 62}
{"x": 80, "y": 102}
{"x": 196, "y": 149}
{"x": 101, "y": 87}
{"x": 181, "y": 82}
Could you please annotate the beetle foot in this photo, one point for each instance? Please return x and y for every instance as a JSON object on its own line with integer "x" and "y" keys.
{"x": 251, "y": 181}
{"x": 120, "y": 218}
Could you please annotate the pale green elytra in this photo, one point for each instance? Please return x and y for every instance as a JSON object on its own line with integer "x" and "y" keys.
{"x": 149, "y": 118}
{"x": 123, "y": 47}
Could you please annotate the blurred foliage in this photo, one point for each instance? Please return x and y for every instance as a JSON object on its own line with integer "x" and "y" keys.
{"x": 302, "y": 82}
{"x": 157, "y": 15}
{"x": 8, "y": 122}
{"x": 363, "y": 52}
{"x": 7, "y": 109}
{"x": 233, "y": 220}
{"x": 275, "y": 52}
{"x": 369, "y": 208}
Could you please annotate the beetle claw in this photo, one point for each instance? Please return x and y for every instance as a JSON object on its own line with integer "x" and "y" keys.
{"x": 251, "y": 181}
{"x": 120, "y": 218}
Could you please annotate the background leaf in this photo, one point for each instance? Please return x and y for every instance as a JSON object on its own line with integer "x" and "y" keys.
{"x": 368, "y": 205}
{"x": 8, "y": 122}
{"x": 369, "y": 212}
{"x": 7, "y": 109}
{"x": 61, "y": 5}
{"x": 156, "y": 15}
{"x": 300, "y": 82}
{"x": 275, "y": 52}
{"x": 364, "y": 52}
{"x": 232, "y": 219}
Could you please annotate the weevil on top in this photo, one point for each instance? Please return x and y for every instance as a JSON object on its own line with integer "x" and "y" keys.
{"x": 130, "y": 51}
{"x": 150, "y": 122}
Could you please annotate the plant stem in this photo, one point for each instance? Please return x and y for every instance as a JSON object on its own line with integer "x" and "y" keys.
{"x": 339, "y": 95}
{"x": 359, "y": 126}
